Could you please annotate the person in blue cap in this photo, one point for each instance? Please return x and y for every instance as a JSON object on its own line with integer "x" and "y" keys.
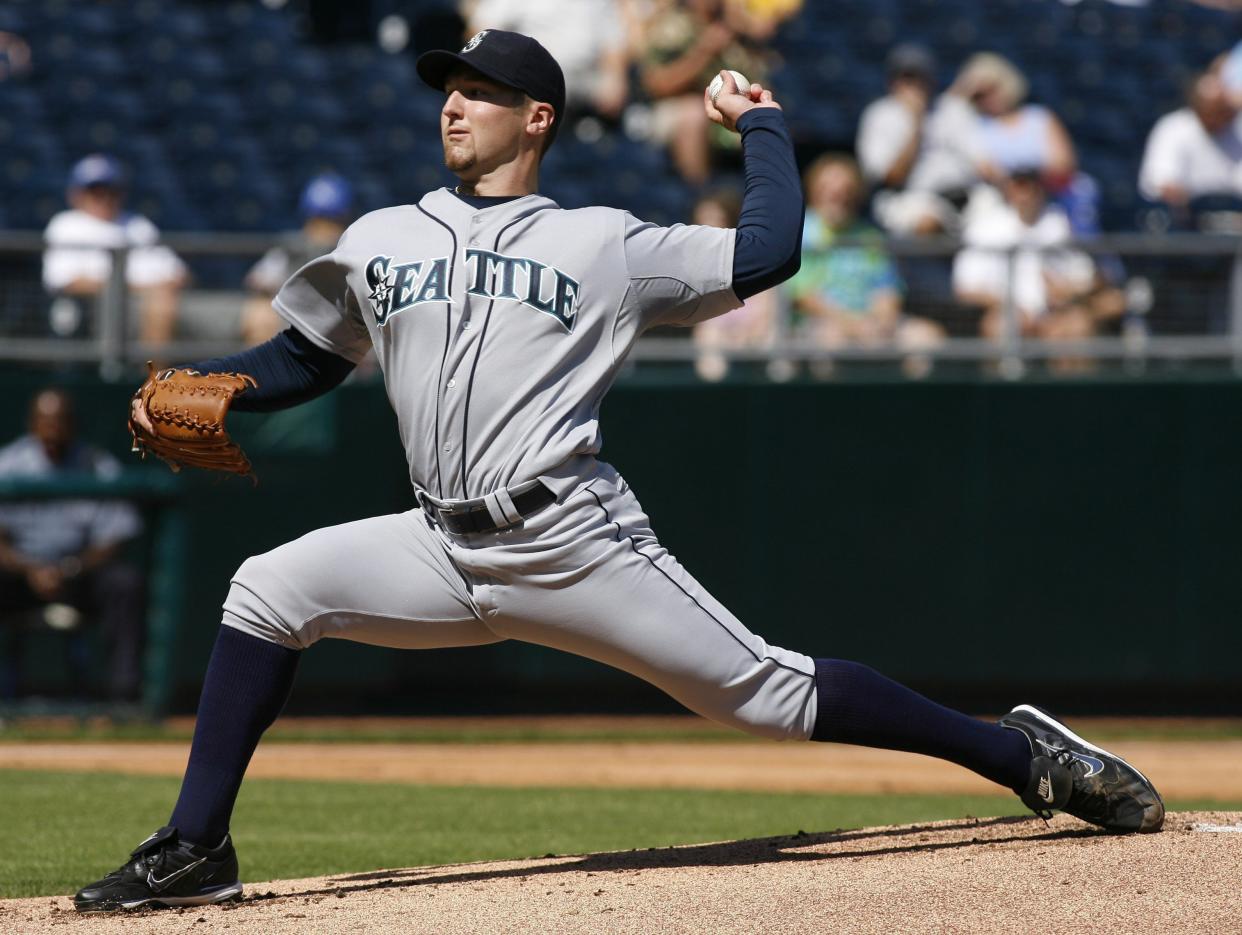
{"x": 326, "y": 208}
{"x": 78, "y": 263}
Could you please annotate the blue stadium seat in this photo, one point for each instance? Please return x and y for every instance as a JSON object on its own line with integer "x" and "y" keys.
{"x": 179, "y": 89}
{"x": 252, "y": 19}
{"x": 103, "y": 62}
{"x": 40, "y": 199}
{"x": 20, "y": 102}
{"x": 14, "y": 20}
{"x": 281, "y": 98}
{"x": 168, "y": 210}
{"x": 373, "y": 191}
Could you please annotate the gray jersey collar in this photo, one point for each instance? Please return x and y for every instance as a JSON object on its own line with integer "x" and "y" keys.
{"x": 444, "y": 204}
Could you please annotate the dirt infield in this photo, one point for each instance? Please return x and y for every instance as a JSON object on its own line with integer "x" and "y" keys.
{"x": 998, "y": 875}
{"x": 1180, "y": 769}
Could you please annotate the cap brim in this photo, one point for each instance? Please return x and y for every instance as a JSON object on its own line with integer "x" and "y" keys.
{"x": 433, "y": 67}
{"x": 108, "y": 182}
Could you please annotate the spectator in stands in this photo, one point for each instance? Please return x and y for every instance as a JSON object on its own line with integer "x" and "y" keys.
{"x": 78, "y": 261}
{"x": 326, "y": 207}
{"x": 1012, "y": 134}
{"x": 587, "y": 38}
{"x": 686, "y": 44}
{"x": 61, "y": 559}
{"x": 919, "y": 152}
{"x": 754, "y": 325}
{"x": 758, "y": 20}
{"x": 1058, "y": 293}
{"x": 1196, "y": 150}
{"x": 849, "y": 296}
{"x": 14, "y": 56}
{"x": 1229, "y": 67}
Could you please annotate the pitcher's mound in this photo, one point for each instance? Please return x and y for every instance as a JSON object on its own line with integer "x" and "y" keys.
{"x": 991, "y": 875}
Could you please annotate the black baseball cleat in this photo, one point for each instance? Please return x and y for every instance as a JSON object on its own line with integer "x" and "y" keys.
{"x": 1079, "y": 778}
{"x": 163, "y": 871}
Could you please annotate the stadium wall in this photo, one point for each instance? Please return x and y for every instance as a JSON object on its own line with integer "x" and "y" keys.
{"x": 1072, "y": 542}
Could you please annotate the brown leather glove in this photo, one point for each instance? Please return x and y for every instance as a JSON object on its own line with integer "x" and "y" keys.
{"x": 186, "y": 410}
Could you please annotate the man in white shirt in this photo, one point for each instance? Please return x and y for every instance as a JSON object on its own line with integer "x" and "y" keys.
{"x": 1196, "y": 150}
{"x": 326, "y": 207}
{"x": 919, "y": 153}
{"x": 1019, "y": 248}
{"x": 78, "y": 261}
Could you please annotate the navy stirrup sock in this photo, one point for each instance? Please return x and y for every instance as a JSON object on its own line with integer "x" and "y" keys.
{"x": 858, "y": 705}
{"x": 247, "y": 683}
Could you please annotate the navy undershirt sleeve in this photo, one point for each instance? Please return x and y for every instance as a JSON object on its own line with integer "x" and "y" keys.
{"x": 289, "y": 370}
{"x": 768, "y": 245}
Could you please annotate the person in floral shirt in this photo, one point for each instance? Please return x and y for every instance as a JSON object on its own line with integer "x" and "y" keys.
{"x": 849, "y": 295}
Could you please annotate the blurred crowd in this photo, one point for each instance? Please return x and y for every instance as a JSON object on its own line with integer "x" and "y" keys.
{"x": 979, "y": 162}
{"x": 976, "y": 160}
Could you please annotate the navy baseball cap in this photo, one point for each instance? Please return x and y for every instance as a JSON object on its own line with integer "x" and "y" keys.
{"x": 326, "y": 196}
{"x": 96, "y": 169}
{"x": 508, "y": 57}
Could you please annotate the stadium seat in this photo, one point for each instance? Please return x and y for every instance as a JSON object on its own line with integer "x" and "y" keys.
{"x": 180, "y": 89}
{"x": 20, "y": 103}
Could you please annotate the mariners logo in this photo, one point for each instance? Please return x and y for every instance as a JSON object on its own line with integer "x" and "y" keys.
{"x": 396, "y": 287}
{"x": 474, "y": 41}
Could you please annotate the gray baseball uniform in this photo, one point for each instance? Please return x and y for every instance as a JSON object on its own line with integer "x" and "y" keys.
{"x": 499, "y": 330}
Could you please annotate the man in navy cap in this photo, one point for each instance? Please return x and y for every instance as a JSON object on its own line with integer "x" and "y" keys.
{"x": 326, "y": 208}
{"x": 916, "y": 148}
{"x": 78, "y": 261}
{"x": 499, "y": 320}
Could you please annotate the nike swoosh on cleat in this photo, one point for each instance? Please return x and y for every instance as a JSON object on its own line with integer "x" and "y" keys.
{"x": 158, "y": 884}
{"x": 1045, "y": 788}
{"x": 1094, "y": 764}
{"x": 1050, "y": 721}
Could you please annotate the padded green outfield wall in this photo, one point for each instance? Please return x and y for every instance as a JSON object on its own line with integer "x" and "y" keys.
{"x": 1079, "y": 541}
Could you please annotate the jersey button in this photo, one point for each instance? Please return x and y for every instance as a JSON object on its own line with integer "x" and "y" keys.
{"x": 452, "y": 383}
{"x": 448, "y": 446}
{"x": 465, "y": 325}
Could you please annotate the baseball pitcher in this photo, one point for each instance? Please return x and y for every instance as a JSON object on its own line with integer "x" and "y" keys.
{"x": 500, "y": 320}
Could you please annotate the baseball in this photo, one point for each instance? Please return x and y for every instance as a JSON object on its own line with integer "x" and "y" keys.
{"x": 717, "y": 85}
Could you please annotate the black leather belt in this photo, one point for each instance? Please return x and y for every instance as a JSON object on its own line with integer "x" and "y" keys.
{"x": 467, "y": 516}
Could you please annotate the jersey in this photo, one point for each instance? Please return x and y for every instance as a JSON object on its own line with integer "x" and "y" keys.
{"x": 500, "y": 329}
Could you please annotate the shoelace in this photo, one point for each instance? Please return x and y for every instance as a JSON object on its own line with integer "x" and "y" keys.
{"x": 1066, "y": 758}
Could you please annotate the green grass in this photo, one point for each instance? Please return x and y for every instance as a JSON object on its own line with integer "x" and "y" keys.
{"x": 63, "y": 830}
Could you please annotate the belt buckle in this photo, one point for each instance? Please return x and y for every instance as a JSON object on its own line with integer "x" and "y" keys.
{"x": 424, "y": 501}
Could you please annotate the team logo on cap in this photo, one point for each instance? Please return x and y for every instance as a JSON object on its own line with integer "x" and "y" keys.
{"x": 474, "y": 41}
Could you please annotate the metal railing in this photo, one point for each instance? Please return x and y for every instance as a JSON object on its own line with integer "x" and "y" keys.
{"x": 1183, "y": 303}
